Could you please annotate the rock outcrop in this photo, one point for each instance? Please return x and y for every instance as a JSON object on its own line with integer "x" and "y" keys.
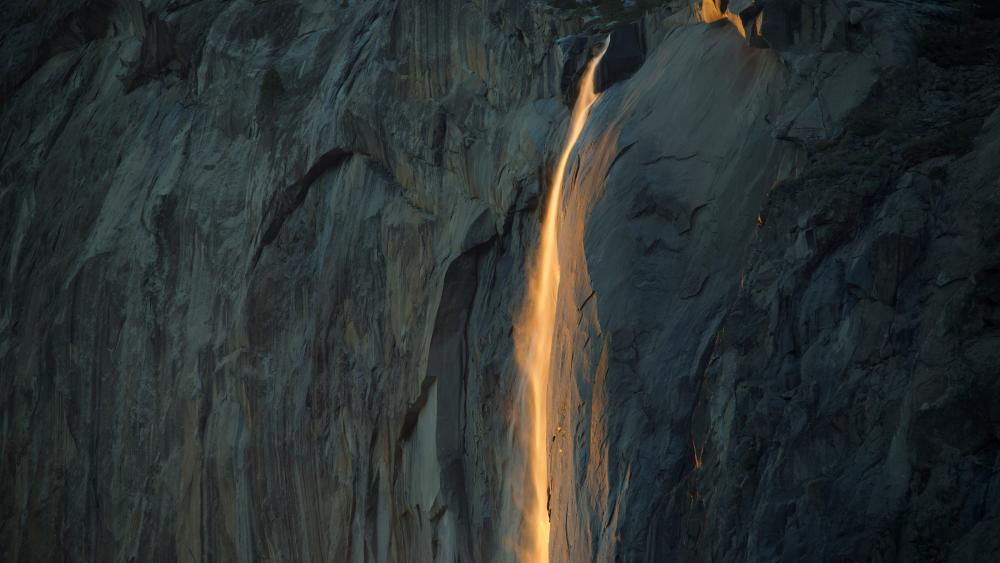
{"x": 260, "y": 261}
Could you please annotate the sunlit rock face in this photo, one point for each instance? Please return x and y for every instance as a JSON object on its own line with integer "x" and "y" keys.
{"x": 261, "y": 263}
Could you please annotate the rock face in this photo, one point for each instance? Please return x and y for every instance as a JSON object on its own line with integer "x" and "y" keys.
{"x": 623, "y": 57}
{"x": 260, "y": 262}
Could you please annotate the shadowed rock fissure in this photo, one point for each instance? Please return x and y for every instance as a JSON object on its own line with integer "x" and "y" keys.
{"x": 285, "y": 201}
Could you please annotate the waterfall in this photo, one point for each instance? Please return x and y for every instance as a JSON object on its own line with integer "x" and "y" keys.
{"x": 533, "y": 340}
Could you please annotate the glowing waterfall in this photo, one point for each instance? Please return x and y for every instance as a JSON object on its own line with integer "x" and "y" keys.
{"x": 534, "y": 331}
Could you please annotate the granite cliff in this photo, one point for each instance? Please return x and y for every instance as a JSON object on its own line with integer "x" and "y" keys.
{"x": 261, "y": 261}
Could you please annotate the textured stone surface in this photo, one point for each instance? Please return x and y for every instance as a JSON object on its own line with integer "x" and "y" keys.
{"x": 259, "y": 263}
{"x": 844, "y": 410}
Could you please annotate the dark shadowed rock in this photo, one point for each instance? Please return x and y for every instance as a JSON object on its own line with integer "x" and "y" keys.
{"x": 626, "y": 53}
{"x": 988, "y": 9}
{"x": 573, "y": 52}
{"x": 785, "y": 24}
{"x": 772, "y": 26}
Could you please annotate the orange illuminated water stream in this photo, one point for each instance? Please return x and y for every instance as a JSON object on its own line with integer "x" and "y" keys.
{"x": 534, "y": 336}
